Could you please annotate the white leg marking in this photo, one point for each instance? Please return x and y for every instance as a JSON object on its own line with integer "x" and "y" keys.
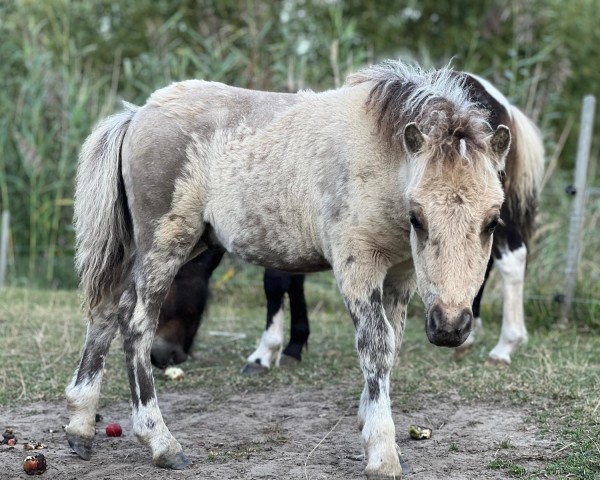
{"x": 379, "y": 433}
{"x": 512, "y": 267}
{"x": 82, "y": 397}
{"x": 271, "y": 343}
{"x": 151, "y": 431}
{"x": 82, "y": 401}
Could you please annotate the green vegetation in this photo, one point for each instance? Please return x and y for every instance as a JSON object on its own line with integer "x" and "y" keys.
{"x": 66, "y": 64}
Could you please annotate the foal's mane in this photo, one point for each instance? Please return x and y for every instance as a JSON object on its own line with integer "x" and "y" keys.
{"x": 436, "y": 100}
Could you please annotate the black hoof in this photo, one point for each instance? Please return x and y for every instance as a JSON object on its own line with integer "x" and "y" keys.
{"x": 81, "y": 446}
{"x": 177, "y": 462}
{"x": 287, "y": 361}
{"x": 406, "y": 469}
{"x": 254, "y": 370}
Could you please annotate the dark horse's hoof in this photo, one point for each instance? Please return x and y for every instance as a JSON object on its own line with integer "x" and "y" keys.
{"x": 81, "y": 446}
{"x": 287, "y": 361}
{"x": 176, "y": 462}
{"x": 254, "y": 370}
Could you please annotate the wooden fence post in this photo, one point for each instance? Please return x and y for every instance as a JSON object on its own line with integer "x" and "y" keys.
{"x": 4, "y": 246}
{"x": 578, "y": 190}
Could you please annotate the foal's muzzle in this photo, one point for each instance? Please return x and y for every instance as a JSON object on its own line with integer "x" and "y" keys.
{"x": 445, "y": 328}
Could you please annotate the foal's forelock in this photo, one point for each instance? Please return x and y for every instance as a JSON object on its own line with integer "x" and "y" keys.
{"x": 437, "y": 101}
{"x": 460, "y": 159}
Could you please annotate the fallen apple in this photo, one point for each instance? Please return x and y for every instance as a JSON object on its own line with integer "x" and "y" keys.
{"x": 34, "y": 464}
{"x": 114, "y": 430}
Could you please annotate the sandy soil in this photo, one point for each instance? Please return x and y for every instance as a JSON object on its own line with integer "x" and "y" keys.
{"x": 282, "y": 434}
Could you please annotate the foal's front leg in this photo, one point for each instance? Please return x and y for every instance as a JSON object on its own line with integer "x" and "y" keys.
{"x": 361, "y": 286}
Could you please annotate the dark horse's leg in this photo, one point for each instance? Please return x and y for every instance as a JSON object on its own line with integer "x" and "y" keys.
{"x": 510, "y": 257}
{"x": 299, "y": 331}
{"x": 276, "y": 284}
{"x": 181, "y": 312}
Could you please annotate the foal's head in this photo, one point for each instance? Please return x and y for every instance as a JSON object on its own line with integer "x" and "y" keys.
{"x": 453, "y": 206}
{"x": 452, "y": 192}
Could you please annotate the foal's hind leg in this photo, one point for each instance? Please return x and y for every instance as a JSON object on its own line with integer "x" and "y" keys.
{"x": 142, "y": 303}
{"x": 84, "y": 390}
{"x": 151, "y": 277}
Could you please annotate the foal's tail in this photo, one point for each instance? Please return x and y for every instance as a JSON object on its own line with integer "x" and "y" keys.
{"x": 101, "y": 217}
{"x": 524, "y": 175}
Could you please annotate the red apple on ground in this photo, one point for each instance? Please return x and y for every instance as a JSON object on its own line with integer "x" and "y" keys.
{"x": 114, "y": 430}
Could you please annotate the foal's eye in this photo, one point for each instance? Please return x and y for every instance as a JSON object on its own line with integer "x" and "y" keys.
{"x": 417, "y": 225}
{"x": 493, "y": 224}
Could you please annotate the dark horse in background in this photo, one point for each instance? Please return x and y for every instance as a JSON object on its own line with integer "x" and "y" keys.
{"x": 181, "y": 314}
{"x": 182, "y": 310}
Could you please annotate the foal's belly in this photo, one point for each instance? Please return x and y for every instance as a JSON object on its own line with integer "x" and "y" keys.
{"x": 270, "y": 242}
{"x": 304, "y": 262}
{"x": 274, "y": 250}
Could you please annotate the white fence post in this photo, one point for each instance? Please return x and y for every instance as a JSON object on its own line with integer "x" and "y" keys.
{"x": 4, "y": 246}
{"x": 578, "y": 190}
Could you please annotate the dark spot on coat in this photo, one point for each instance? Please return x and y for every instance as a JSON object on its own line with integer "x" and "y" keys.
{"x": 91, "y": 364}
{"x": 375, "y": 297}
{"x": 373, "y": 386}
{"x": 145, "y": 382}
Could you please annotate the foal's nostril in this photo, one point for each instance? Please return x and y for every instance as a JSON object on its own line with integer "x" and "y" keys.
{"x": 435, "y": 318}
{"x": 466, "y": 320}
{"x": 448, "y": 331}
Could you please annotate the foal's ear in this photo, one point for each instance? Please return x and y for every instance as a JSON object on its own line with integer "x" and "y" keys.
{"x": 500, "y": 143}
{"x": 413, "y": 138}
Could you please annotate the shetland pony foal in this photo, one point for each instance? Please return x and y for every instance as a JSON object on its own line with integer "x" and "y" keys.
{"x": 391, "y": 181}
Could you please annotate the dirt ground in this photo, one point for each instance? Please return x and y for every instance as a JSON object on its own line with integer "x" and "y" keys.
{"x": 282, "y": 434}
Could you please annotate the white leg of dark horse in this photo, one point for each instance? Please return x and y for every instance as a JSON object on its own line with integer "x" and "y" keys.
{"x": 511, "y": 265}
{"x": 362, "y": 289}
{"x": 84, "y": 390}
{"x": 271, "y": 341}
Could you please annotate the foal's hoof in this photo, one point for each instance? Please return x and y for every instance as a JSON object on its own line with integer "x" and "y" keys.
{"x": 254, "y": 370}
{"x": 380, "y": 476}
{"x": 406, "y": 468}
{"x": 175, "y": 462}
{"x": 388, "y": 472}
{"x": 287, "y": 361}
{"x": 81, "y": 446}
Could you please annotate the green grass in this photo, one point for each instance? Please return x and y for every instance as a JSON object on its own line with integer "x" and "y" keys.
{"x": 555, "y": 377}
